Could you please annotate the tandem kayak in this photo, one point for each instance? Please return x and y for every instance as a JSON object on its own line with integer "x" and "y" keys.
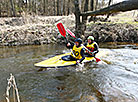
{"x": 55, "y": 62}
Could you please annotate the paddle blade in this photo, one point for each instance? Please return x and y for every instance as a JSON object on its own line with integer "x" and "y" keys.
{"x": 72, "y": 34}
{"x": 61, "y": 29}
{"x": 97, "y": 59}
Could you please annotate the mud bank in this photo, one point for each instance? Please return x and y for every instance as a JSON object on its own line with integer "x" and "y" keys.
{"x": 30, "y": 30}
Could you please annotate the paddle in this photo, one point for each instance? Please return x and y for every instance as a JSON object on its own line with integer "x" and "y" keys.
{"x": 73, "y": 35}
{"x": 62, "y": 31}
{"x": 97, "y": 59}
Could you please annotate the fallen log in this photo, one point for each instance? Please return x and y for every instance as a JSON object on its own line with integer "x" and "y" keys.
{"x": 122, "y": 6}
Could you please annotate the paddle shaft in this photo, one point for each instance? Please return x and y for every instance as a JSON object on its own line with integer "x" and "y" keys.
{"x": 63, "y": 33}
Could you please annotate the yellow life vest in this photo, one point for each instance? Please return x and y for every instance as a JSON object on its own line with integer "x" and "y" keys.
{"x": 91, "y": 46}
{"x": 76, "y": 52}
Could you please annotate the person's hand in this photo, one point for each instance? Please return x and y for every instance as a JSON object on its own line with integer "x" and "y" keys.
{"x": 78, "y": 61}
{"x": 91, "y": 53}
{"x": 68, "y": 44}
{"x": 86, "y": 51}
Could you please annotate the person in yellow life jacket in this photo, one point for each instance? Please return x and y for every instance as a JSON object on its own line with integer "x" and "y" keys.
{"x": 77, "y": 52}
{"x": 92, "y": 46}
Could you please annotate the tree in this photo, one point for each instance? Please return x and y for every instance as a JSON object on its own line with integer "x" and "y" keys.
{"x": 12, "y": 8}
{"x": 80, "y": 25}
{"x": 109, "y": 13}
{"x": 92, "y": 5}
{"x": 77, "y": 18}
{"x": 54, "y": 4}
{"x": 68, "y": 7}
{"x": 122, "y": 6}
{"x": 61, "y": 3}
{"x": 84, "y": 18}
{"x": 64, "y": 10}
{"x": 0, "y": 9}
{"x": 44, "y": 8}
{"x": 96, "y": 4}
{"x": 57, "y": 7}
{"x": 30, "y": 5}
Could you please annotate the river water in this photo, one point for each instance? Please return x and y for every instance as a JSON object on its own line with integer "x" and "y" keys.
{"x": 116, "y": 80}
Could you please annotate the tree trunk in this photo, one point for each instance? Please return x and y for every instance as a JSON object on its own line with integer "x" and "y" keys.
{"x": 34, "y": 5}
{"x": 47, "y": 6}
{"x": 20, "y": 7}
{"x": 44, "y": 7}
{"x": 92, "y": 6}
{"x": 26, "y": 2}
{"x": 61, "y": 7}
{"x": 57, "y": 7}
{"x": 12, "y": 8}
{"x": 84, "y": 18}
{"x": 0, "y": 9}
{"x": 109, "y": 13}
{"x": 103, "y": 4}
{"x": 54, "y": 8}
{"x": 68, "y": 7}
{"x": 109, "y": 2}
{"x": 80, "y": 26}
{"x": 96, "y": 4}
{"x": 64, "y": 10}
{"x": 77, "y": 18}
{"x": 30, "y": 6}
{"x": 7, "y": 9}
{"x": 122, "y": 6}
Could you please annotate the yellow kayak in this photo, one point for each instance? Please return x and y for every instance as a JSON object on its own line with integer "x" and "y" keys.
{"x": 58, "y": 62}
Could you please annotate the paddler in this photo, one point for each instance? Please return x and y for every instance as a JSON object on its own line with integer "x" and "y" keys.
{"x": 77, "y": 53}
{"x": 92, "y": 47}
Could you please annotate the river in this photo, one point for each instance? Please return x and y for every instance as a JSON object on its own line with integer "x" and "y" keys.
{"x": 116, "y": 81}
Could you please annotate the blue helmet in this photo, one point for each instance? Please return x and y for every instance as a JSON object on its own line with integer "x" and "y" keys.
{"x": 78, "y": 40}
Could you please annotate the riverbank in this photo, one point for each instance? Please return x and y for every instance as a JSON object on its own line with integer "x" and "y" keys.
{"x": 33, "y": 30}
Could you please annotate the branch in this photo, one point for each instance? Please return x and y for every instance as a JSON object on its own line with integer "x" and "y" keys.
{"x": 122, "y": 6}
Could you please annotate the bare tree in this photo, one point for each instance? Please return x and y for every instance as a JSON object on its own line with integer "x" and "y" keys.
{"x": 96, "y": 4}
{"x": 44, "y": 7}
{"x": 30, "y": 5}
{"x": 57, "y": 7}
{"x": 80, "y": 25}
{"x": 109, "y": 13}
{"x": 12, "y": 8}
{"x": 0, "y": 9}
{"x": 77, "y": 18}
{"x": 54, "y": 4}
{"x": 64, "y": 10}
{"x": 92, "y": 5}
{"x": 26, "y": 3}
{"x": 68, "y": 7}
{"x": 84, "y": 18}
{"x": 61, "y": 7}
{"x": 40, "y": 7}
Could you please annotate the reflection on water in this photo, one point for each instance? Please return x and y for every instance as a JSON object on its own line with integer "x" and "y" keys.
{"x": 115, "y": 81}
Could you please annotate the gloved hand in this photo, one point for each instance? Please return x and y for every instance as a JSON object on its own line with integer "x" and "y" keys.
{"x": 68, "y": 44}
{"x": 91, "y": 53}
{"x": 78, "y": 61}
